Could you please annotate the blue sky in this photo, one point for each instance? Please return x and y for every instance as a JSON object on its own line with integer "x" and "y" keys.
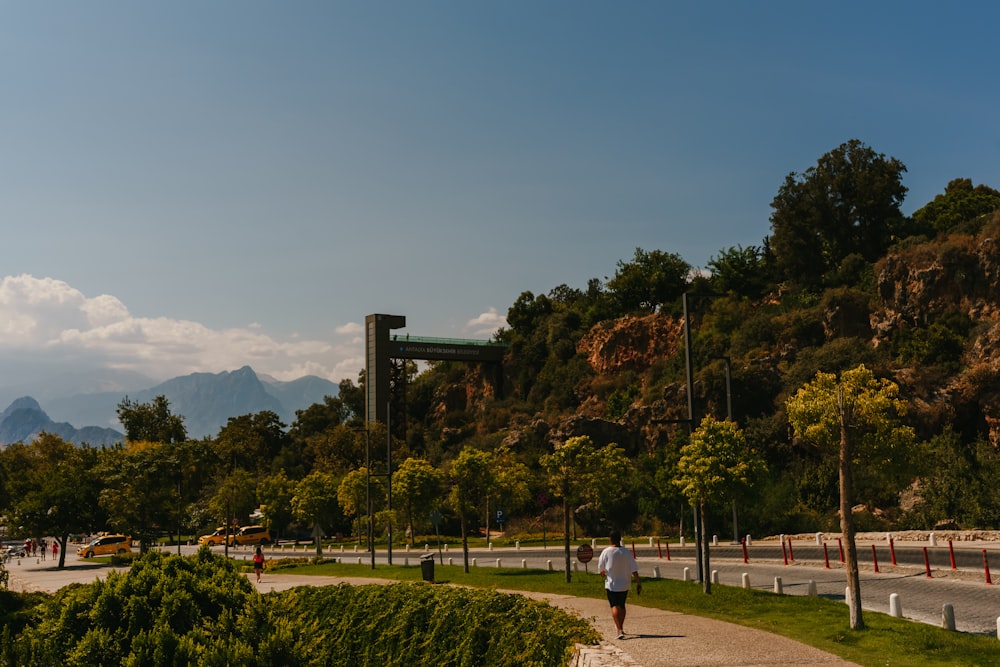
{"x": 193, "y": 186}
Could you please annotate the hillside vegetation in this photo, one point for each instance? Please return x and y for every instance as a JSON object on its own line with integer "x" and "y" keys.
{"x": 586, "y": 428}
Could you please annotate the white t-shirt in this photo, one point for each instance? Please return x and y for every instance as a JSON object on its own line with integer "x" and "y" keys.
{"x": 618, "y": 564}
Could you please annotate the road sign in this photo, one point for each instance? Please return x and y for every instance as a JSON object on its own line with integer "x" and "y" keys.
{"x": 436, "y": 518}
{"x": 585, "y": 553}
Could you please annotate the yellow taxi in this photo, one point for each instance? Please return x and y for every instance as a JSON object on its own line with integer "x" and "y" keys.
{"x": 217, "y": 537}
{"x": 106, "y": 545}
{"x": 251, "y": 535}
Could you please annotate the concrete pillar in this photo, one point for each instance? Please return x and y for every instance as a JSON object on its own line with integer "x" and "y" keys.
{"x": 651, "y": 541}
{"x": 682, "y": 541}
{"x": 715, "y": 576}
{"x": 895, "y": 606}
{"x": 746, "y": 580}
{"x": 933, "y": 540}
{"x": 748, "y": 540}
{"x": 948, "y": 617}
{"x": 715, "y": 540}
{"x": 819, "y": 539}
{"x": 687, "y": 574}
{"x": 777, "y": 586}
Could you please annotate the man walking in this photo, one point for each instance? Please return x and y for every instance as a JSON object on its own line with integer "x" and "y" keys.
{"x": 618, "y": 567}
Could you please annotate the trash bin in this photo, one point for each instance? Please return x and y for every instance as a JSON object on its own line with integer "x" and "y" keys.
{"x": 427, "y": 567}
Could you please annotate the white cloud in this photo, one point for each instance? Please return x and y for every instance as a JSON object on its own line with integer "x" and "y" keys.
{"x": 47, "y": 319}
{"x": 486, "y": 324}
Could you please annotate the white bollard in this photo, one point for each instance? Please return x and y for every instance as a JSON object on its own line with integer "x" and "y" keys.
{"x": 445, "y": 546}
{"x": 473, "y": 562}
{"x": 359, "y": 560}
{"x": 819, "y": 539}
{"x": 888, "y": 538}
{"x": 811, "y": 589}
{"x": 524, "y": 564}
{"x": 549, "y": 563}
{"x": 777, "y": 586}
{"x": 498, "y": 563}
{"x": 491, "y": 546}
{"x": 656, "y": 572}
{"x": 341, "y": 548}
{"x": 427, "y": 547}
{"x": 746, "y": 580}
{"x": 847, "y": 596}
{"x": 355, "y": 548}
{"x": 450, "y": 561}
{"x": 715, "y": 576}
{"x": 998, "y": 627}
{"x": 933, "y": 540}
{"x": 593, "y": 542}
{"x": 407, "y": 548}
{"x": 895, "y": 606}
{"x": 517, "y": 545}
{"x": 748, "y": 540}
{"x": 651, "y": 541}
{"x": 715, "y": 540}
{"x": 681, "y": 541}
{"x": 687, "y": 574}
{"x": 948, "y": 617}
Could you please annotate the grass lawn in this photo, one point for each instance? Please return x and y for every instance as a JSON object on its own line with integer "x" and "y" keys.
{"x": 818, "y": 622}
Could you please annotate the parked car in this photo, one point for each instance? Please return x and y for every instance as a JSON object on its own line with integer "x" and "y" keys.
{"x": 250, "y": 535}
{"x": 106, "y": 545}
{"x": 217, "y": 537}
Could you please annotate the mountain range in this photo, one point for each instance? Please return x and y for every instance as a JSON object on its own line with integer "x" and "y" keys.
{"x": 206, "y": 401}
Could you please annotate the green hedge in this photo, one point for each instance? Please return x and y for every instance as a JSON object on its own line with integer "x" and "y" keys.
{"x": 201, "y": 610}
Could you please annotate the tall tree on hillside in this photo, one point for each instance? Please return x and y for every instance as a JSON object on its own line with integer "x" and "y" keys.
{"x": 960, "y": 203}
{"x": 859, "y": 415}
{"x": 650, "y": 280}
{"x": 847, "y": 204}
{"x": 150, "y": 422}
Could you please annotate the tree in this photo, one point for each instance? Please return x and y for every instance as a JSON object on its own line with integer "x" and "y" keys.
{"x": 352, "y": 494}
{"x": 471, "y": 479}
{"x": 650, "y": 280}
{"x": 577, "y": 469}
{"x": 255, "y": 439}
{"x": 858, "y": 414}
{"x": 142, "y": 493}
{"x": 848, "y": 203}
{"x": 150, "y": 422}
{"x": 714, "y": 465}
{"x": 275, "y": 495}
{"x": 315, "y": 502}
{"x": 54, "y": 490}
{"x": 416, "y": 484}
{"x": 959, "y": 204}
{"x": 740, "y": 270}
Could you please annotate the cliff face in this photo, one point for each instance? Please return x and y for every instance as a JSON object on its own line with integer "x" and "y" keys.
{"x": 958, "y": 275}
{"x": 631, "y": 343}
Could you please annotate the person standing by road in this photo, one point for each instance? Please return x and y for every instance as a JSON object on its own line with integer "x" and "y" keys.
{"x": 618, "y": 567}
{"x": 258, "y": 563}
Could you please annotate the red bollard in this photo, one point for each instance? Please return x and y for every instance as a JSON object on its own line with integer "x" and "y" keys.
{"x": 951, "y": 553}
{"x": 659, "y": 551}
{"x": 826, "y": 556}
{"x": 840, "y": 545}
{"x": 667, "y": 545}
{"x": 927, "y": 563}
{"x": 875, "y": 560}
{"x": 892, "y": 552}
{"x": 746, "y": 556}
{"x": 791, "y": 554}
{"x": 633, "y": 551}
{"x": 986, "y": 564}
{"x": 784, "y": 552}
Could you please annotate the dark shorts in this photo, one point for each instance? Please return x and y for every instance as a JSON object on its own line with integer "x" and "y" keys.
{"x": 617, "y": 598}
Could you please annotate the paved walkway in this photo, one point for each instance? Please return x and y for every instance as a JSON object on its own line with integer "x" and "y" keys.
{"x": 655, "y": 638}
